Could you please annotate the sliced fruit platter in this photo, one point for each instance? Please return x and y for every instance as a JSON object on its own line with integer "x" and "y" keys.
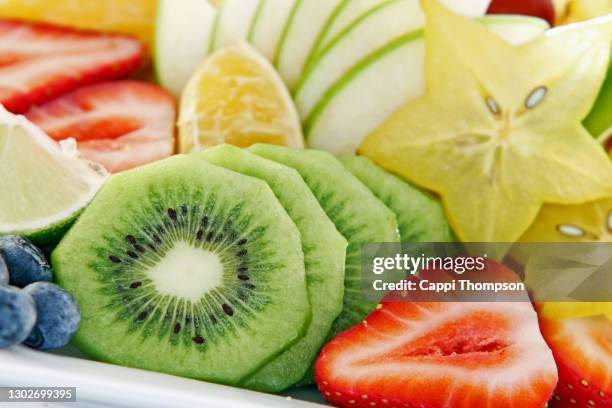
{"x": 188, "y": 186}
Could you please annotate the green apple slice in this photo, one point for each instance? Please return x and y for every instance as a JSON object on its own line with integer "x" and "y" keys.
{"x": 44, "y": 187}
{"x": 373, "y": 30}
{"x": 182, "y": 38}
{"x": 357, "y": 9}
{"x": 269, "y": 25}
{"x": 360, "y": 101}
{"x": 345, "y": 17}
{"x": 468, "y": 8}
{"x": 599, "y": 121}
{"x": 233, "y": 23}
{"x": 307, "y": 21}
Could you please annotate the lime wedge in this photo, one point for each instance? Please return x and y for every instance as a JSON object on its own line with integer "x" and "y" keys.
{"x": 43, "y": 185}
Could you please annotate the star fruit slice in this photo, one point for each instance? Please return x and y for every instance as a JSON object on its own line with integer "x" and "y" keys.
{"x": 574, "y": 310}
{"x": 589, "y": 222}
{"x": 581, "y": 10}
{"x": 498, "y": 132}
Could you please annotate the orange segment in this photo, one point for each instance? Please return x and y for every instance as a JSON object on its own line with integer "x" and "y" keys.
{"x": 134, "y": 17}
{"x": 237, "y": 97}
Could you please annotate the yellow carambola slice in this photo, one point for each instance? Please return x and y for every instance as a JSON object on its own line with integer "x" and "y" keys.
{"x": 574, "y": 310}
{"x": 589, "y": 222}
{"x": 498, "y": 133}
{"x": 581, "y": 10}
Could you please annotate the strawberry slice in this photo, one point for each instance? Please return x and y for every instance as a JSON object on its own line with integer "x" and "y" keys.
{"x": 119, "y": 124}
{"x": 583, "y": 351}
{"x": 435, "y": 354}
{"x": 39, "y": 61}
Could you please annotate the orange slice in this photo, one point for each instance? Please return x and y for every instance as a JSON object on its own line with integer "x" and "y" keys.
{"x": 237, "y": 97}
{"x": 135, "y": 17}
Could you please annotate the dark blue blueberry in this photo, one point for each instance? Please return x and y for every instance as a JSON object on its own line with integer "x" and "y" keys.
{"x": 17, "y": 316}
{"x": 58, "y": 316}
{"x": 4, "y": 275}
{"x": 26, "y": 263}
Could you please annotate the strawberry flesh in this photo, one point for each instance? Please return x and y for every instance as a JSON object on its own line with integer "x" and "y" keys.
{"x": 583, "y": 351}
{"x": 39, "y": 62}
{"x": 119, "y": 124}
{"x": 435, "y": 354}
{"x": 543, "y": 9}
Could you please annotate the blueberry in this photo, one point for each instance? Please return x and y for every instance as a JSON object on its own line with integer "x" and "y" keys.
{"x": 4, "y": 275}
{"x": 17, "y": 316}
{"x": 26, "y": 263}
{"x": 58, "y": 316}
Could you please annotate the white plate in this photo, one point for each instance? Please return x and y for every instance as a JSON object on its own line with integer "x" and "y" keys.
{"x": 107, "y": 385}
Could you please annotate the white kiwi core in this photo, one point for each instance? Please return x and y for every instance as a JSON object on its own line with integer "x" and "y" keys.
{"x": 187, "y": 272}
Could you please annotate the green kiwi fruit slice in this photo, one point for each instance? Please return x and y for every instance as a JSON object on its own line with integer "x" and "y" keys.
{"x": 324, "y": 254}
{"x": 419, "y": 214}
{"x": 357, "y": 213}
{"x": 186, "y": 268}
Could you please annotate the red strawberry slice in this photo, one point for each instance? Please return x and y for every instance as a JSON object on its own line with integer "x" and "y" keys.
{"x": 120, "y": 124}
{"x": 583, "y": 351}
{"x": 39, "y": 61}
{"x": 434, "y": 355}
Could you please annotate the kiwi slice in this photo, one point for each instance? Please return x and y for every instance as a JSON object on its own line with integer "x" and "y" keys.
{"x": 419, "y": 214}
{"x": 186, "y": 268}
{"x": 324, "y": 254}
{"x": 357, "y": 213}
